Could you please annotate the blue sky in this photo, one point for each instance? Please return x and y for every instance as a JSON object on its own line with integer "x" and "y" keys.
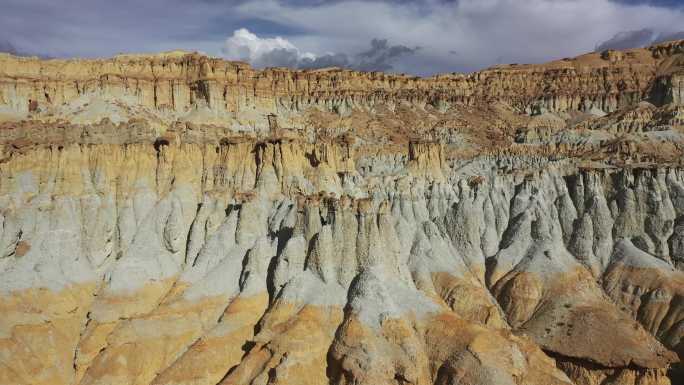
{"x": 416, "y": 37}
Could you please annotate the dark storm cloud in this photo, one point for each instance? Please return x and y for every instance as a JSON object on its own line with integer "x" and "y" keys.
{"x": 381, "y": 55}
{"x": 637, "y": 39}
{"x": 331, "y": 33}
{"x": 663, "y": 37}
{"x": 658, "y": 3}
{"x": 279, "y": 52}
{"x": 279, "y": 57}
{"x": 628, "y": 39}
{"x": 7, "y": 47}
{"x": 325, "y": 61}
{"x": 483, "y": 33}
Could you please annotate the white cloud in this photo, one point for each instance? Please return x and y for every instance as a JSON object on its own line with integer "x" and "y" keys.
{"x": 262, "y": 52}
{"x": 483, "y": 32}
{"x": 246, "y": 46}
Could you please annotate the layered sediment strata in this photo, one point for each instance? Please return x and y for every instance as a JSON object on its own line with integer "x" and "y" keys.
{"x": 171, "y": 219}
{"x": 179, "y": 81}
{"x": 159, "y": 260}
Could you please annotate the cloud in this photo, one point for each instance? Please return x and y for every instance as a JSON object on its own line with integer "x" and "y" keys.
{"x": 669, "y": 36}
{"x": 660, "y": 3}
{"x": 483, "y": 32}
{"x": 637, "y": 39}
{"x": 7, "y": 47}
{"x": 628, "y": 39}
{"x": 381, "y": 55}
{"x": 324, "y": 61}
{"x": 279, "y": 52}
{"x": 262, "y": 52}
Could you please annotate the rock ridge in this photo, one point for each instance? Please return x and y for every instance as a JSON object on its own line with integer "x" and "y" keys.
{"x": 179, "y": 219}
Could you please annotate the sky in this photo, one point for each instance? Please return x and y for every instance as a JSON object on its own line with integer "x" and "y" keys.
{"x": 415, "y": 37}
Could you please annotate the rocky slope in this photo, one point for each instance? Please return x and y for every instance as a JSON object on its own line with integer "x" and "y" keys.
{"x": 178, "y": 219}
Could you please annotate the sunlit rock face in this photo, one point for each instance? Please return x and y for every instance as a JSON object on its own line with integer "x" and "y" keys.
{"x": 178, "y": 219}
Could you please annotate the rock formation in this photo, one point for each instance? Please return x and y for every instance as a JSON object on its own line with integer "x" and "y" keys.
{"x": 179, "y": 219}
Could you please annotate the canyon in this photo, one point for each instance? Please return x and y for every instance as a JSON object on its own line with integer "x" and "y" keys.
{"x": 175, "y": 218}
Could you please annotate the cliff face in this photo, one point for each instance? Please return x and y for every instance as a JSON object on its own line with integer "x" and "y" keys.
{"x": 176, "y": 219}
{"x": 178, "y": 82}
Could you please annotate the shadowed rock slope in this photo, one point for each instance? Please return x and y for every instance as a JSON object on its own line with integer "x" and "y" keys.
{"x": 179, "y": 219}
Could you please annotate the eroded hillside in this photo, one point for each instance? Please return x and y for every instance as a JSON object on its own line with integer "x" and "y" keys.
{"x": 179, "y": 219}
